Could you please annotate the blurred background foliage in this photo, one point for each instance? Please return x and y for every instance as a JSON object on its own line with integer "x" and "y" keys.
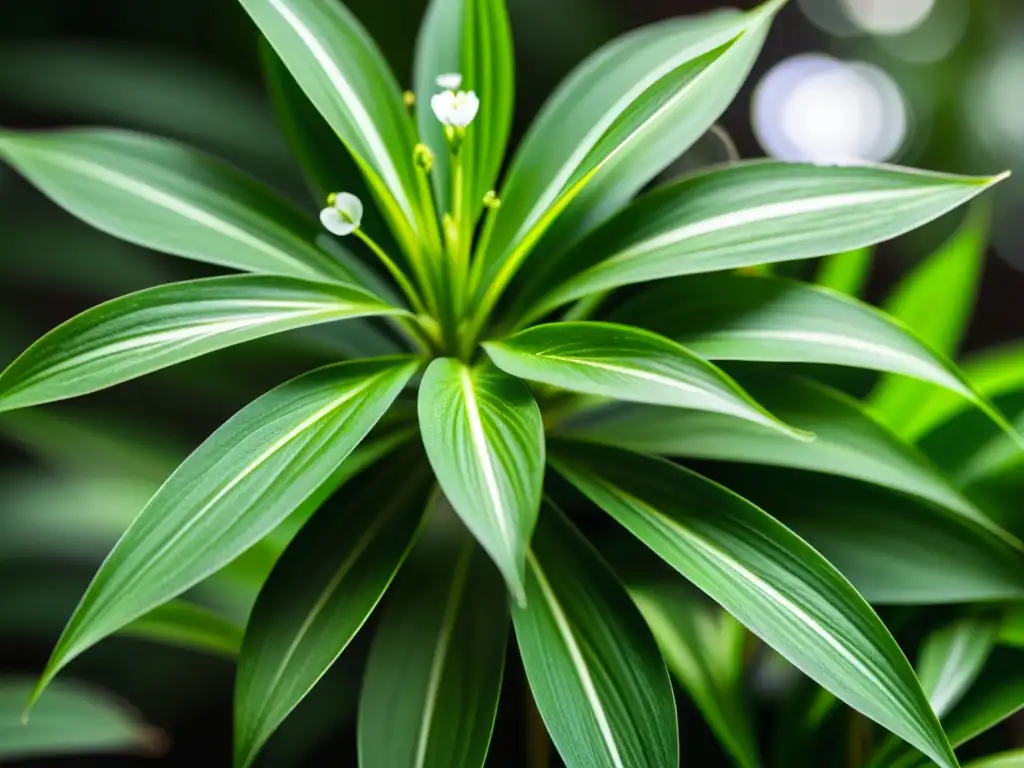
{"x": 933, "y": 83}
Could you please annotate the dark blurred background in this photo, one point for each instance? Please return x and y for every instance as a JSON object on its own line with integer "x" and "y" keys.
{"x": 932, "y": 83}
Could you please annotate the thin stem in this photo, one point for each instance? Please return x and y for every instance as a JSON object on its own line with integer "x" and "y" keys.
{"x": 432, "y": 279}
{"x": 403, "y": 282}
{"x": 458, "y": 251}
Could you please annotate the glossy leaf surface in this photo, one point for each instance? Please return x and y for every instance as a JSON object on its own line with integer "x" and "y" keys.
{"x": 767, "y": 577}
{"x": 623, "y": 363}
{"x": 321, "y": 591}
{"x": 951, "y": 658}
{"x": 160, "y": 195}
{"x": 265, "y": 462}
{"x": 595, "y": 671}
{"x": 433, "y": 678}
{"x": 752, "y": 213}
{"x": 143, "y": 332}
{"x": 483, "y": 433}
{"x": 188, "y": 625}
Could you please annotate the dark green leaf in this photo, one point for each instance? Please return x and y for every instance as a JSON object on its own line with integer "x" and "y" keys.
{"x": 895, "y": 549}
{"x": 321, "y": 591}
{"x": 344, "y": 75}
{"x": 767, "y": 577}
{"x": 704, "y": 651}
{"x": 624, "y": 363}
{"x": 187, "y": 625}
{"x": 848, "y": 441}
{"x": 595, "y": 671}
{"x": 74, "y": 720}
{"x": 275, "y": 455}
{"x": 751, "y": 213}
{"x": 432, "y": 682}
{"x": 1014, "y": 759}
{"x": 164, "y": 196}
{"x": 159, "y": 327}
{"x": 484, "y": 436}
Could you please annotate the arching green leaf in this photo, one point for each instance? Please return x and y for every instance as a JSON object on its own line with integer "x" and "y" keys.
{"x": 747, "y": 214}
{"x": 595, "y": 671}
{"x": 624, "y": 363}
{"x": 846, "y": 272}
{"x": 275, "y": 455}
{"x": 483, "y": 433}
{"x": 433, "y": 679}
{"x": 143, "y": 332}
{"x": 321, "y": 591}
{"x": 767, "y": 577}
{"x": 188, "y": 625}
{"x": 158, "y": 194}
{"x": 952, "y": 657}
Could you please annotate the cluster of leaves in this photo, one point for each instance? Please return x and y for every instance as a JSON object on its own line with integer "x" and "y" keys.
{"x": 463, "y": 403}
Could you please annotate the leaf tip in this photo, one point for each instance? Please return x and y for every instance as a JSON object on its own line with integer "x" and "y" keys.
{"x": 991, "y": 180}
{"x": 769, "y": 8}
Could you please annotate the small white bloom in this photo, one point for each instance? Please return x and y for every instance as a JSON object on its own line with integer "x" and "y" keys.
{"x": 450, "y": 81}
{"x": 344, "y": 215}
{"x": 455, "y": 109}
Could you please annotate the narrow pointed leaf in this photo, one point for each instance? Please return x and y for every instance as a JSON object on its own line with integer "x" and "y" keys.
{"x": 433, "y": 678}
{"x": 595, "y": 671}
{"x": 752, "y": 213}
{"x": 188, "y": 625}
{"x": 896, "y": 550}
{"x": 648, "y": 98}
{"x": 272, "y": 457}
{"x": 1014, "y": 759}
{"x": 704, "y": 652}
{"x": 848, "y": 441}
{"x": 74, "y": 720}
{"x": 846, "y": 272}
{"x": 766, "y": 576}
{"x": 143, "y": 332}
{"x": 472, "y": 38}
{"x": 344, "y": 75}
{"x": 164, "y": 196}
{"x": 624, "y": 363}
{"x": 483, "y": 433}
{"x": 740, "y": 317}
{"x": 953, "y": 272}
{"x": 321, "y": 591}
{"x": 951, "y": 658}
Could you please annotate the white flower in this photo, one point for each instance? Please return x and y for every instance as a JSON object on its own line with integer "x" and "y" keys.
{"x": 450, "y": 81}
{"x": 455, "y": 110}
{"x": 343, "y": 215}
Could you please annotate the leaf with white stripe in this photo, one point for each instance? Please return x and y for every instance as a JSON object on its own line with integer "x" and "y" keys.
{"x": 164, "y": 196}
{"x": 848, "y": 441}
{"x": 143, "y": 332}
{"x": 594, "y": 668}
{"x": 276, "y": 455}
{"x": 321, "y": 591}
{"x": 624, "y": 363}
{"x": 483, "y": 433}
{"x": 751, "y": 213}
{"x": 613, "y": 126}
{"x": 433, "y": 679}
{"x": 767, "y": 577}
{"x": 769, "y": 319}
{"x": 952, "y": 657}
{"x": 344, "y": 75}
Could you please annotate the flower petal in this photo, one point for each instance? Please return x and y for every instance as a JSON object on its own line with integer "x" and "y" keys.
{"x": 442, "y": 104}
{"x": 350, "y": 207}
{"x": 450, "y": 81}
{"x": 335, "y": 223}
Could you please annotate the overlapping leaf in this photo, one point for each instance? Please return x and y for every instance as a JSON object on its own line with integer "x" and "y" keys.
{"x": 595, "y": 671}
{"x": 344, "y": 75}
{"x": 951, "y": 658}
{"x": 848, "y": 441}
{"x": 152, "y": 329}
{"x": 188, "y": 625}
{"x": 433, "y": 679}
{"x": 750, "y": 213}
{"x": 158, "y": 194}
{"x": 275, "y": 455}
{"x": 483, "y": 433}
{"x": 321, "y": 591}
{"x": 624, "y": 363}
{"x": 767, "y": 577}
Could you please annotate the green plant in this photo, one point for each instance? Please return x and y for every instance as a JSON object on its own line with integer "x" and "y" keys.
{"x": 470, "y": 312}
